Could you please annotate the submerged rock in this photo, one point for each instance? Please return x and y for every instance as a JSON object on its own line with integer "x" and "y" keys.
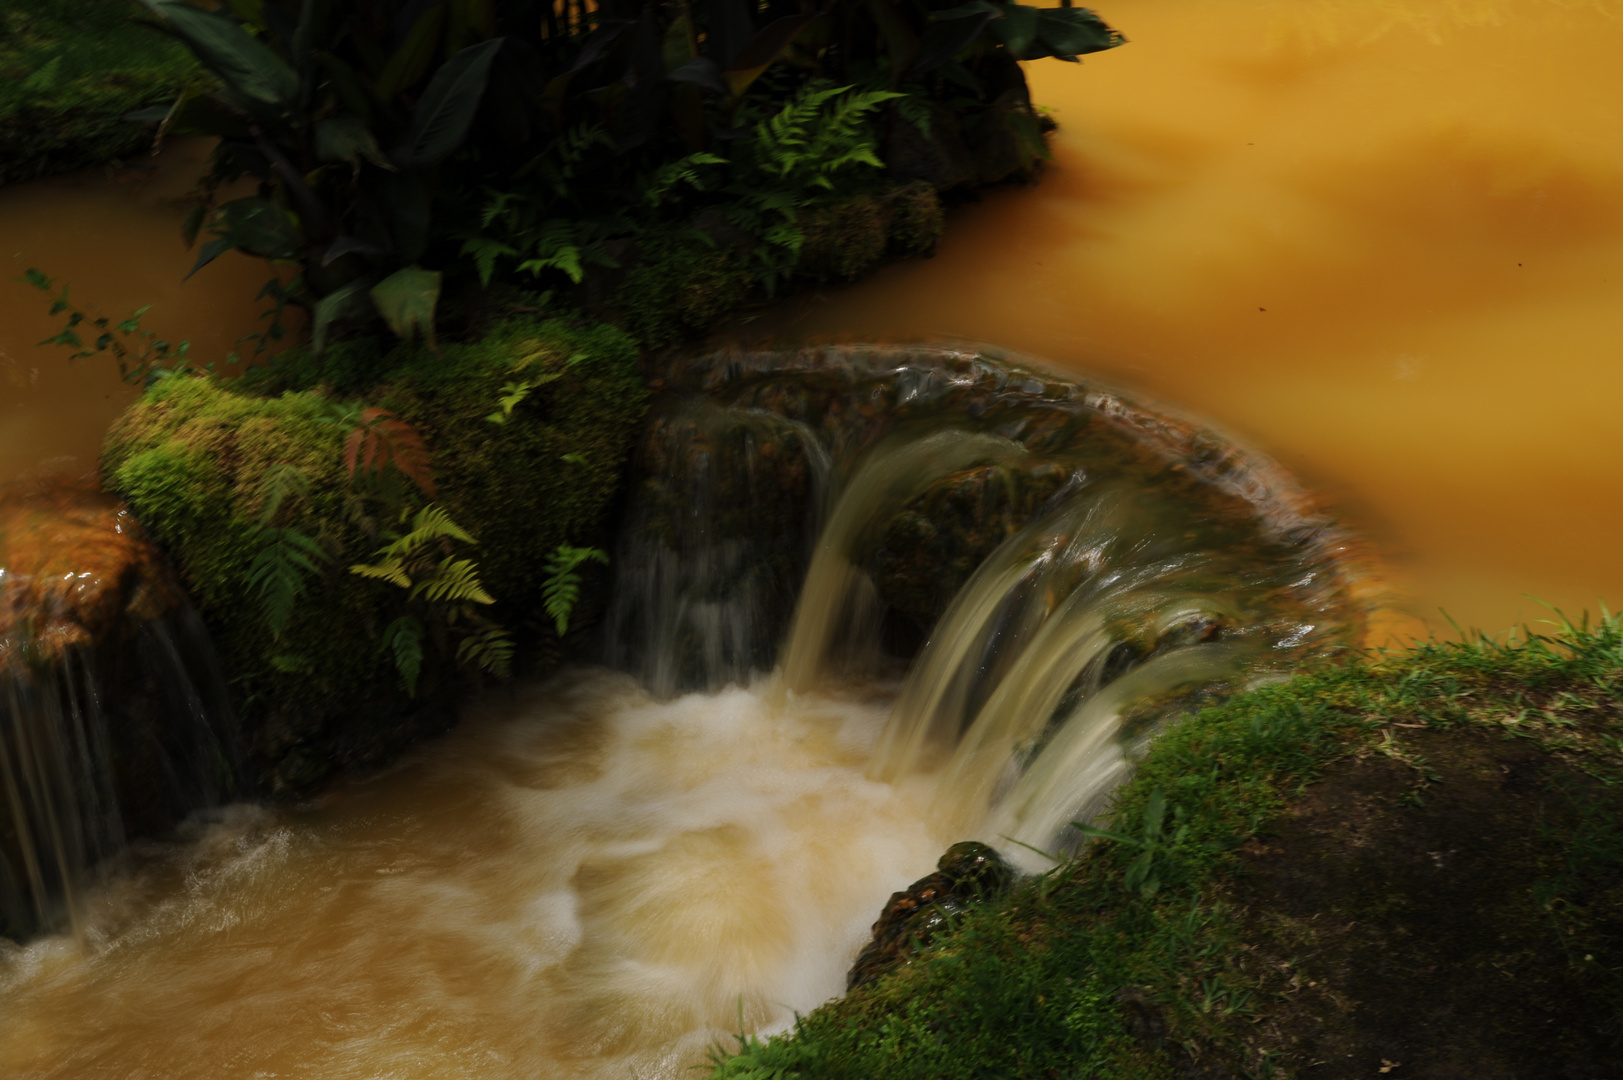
{"x": 969, "y": 873}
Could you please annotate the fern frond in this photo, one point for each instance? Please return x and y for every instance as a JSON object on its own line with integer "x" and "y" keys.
{"x": 430, "y": 523}
{"x": 561, "y": 588}
{"x": 391, "y": 571}
{"x": 456, "y": 581}
{"x": 277, "y": 485}
{"x": 278, "y": 572}
{"x": 380, "y": 439}
{"x": 490, "y": 649}
{"x": 404, "y": 639}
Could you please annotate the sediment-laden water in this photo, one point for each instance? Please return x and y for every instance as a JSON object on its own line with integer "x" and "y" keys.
{"x": 597, "y": 878}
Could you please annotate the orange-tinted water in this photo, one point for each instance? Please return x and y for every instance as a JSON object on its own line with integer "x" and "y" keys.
{"x": 1378, "y": 240}
{"x": 113, "y": 237}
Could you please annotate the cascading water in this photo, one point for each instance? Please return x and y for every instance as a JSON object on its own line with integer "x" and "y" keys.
{"x": 113, "y": 713}
{"x": 1005, "y": 584}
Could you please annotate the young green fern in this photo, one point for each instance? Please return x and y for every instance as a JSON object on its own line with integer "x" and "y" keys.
{"x": 561, "y": 589}
{"x": 422, "y": 562}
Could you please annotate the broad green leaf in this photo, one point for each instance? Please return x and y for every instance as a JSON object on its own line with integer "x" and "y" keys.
{"x": 1017, "y": 29}
{"x": 1074, "y": 31}
{"x": 259, "y": 227}
{"x": 442, "y": 117}
{"x": 410, "y": 62}
{"x": 346, "y": 138}
{"x": 351, "y": 303}
{"x": 406, "y": 299}
{"x": 246, "y": 67}
{"x": 763, "y": 49}
{"x": 404, "y": 638}
{"x": 211, "y": 251}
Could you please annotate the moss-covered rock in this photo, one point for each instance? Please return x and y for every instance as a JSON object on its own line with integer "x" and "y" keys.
{"x": 1404, "y": 865}
{"x": 197, "y": 459}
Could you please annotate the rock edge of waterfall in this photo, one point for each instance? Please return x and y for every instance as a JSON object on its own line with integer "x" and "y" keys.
{"x": 1403, "y": 864}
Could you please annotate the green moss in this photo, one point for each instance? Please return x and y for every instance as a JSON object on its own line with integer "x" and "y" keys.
{"x": 679, "y": 286}
{"x": 192, "y": 457}
{"x": 843, "y": 240}
{"x": 1362, "y": 773}
{"x": 69, "y": 72}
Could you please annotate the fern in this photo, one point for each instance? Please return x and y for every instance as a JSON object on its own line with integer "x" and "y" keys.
{"x": 489, "y": 648}
{"x": 277, "y": 485}
{"x": 404, "y": 639}
{"x": 561, "y": 589}
{"x": 453, "y": 581}
{"x": 380, "y": 439}
{"x": 670, "y": 175}
{"x": 279, "y": 570}
{"x": 430, "y": 523}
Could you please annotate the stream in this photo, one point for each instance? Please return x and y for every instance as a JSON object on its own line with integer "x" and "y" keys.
{"x": 1372, "y": 243}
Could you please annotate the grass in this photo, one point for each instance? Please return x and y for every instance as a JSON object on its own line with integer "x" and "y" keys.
{"x": 1078, "y": 975}
{"x": 69, "y": 71}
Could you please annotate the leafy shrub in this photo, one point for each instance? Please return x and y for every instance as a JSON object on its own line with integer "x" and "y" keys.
{"x": 351, "y": 589}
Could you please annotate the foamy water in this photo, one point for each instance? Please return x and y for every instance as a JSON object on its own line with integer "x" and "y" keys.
{"x": 581, "y": 882}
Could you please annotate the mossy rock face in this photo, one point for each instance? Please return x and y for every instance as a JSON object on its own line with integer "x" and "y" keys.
{"x": 192, "y": 457}
{"x": 70, "y": 70}
{"x": 969, "y": 873}
{"x": 929, "y": 550}
{"x": 842, "y": 241}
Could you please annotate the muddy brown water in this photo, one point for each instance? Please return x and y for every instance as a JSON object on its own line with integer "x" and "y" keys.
{"x": 1377, "y": 240}
{"x": 112, "y": 236}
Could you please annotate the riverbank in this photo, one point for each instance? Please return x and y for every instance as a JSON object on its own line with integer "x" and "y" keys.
{"x": 70, "y": 70}
{"x": 1405, "y": 861}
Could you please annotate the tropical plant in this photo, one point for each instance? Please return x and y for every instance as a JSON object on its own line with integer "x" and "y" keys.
{"x": 141, "y": 354}
{"x": 395, "y": 141}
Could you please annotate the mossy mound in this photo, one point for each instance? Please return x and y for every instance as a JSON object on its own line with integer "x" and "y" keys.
{"x": 195, "y": 457}
{"x": 69, "y": 72}
{"x": 1407, "y": 865}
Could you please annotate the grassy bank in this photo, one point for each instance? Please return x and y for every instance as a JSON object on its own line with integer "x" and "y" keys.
{"x": 69, "y": 71}
{"x": 1404, "y": 862}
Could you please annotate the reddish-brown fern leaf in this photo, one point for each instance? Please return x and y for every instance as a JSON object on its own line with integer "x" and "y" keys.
{"x": 382, "y": 439}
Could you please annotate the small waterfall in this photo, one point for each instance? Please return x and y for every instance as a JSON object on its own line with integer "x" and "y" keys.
{"x": 837, "y": 619}
{"x": 99, "y": 743}
{"x": 1081, "y": 569}
{"x": 715, "y": 547}
{"x": 114, "y": 717}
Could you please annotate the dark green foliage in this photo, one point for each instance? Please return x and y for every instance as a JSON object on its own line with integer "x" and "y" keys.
{"x": 141, "y": 354}
{"x": 69, "y": 72}
{"x": 562, "y": 585}
{"x": 1088, "y": 971}
{"x": 402, "y": 148}
{"x": 266, "y": 502}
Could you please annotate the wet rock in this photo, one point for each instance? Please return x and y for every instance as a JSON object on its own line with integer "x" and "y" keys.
{"x": 969, "y": 873}
{"x": 113, "y": 715}
{"x": 928, "y": 550}
{"x": 76, "y": 569}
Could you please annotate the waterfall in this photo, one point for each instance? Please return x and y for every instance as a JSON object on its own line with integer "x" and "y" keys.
{"x": 1103, "y": 568}
{"x": 98, "y": 742}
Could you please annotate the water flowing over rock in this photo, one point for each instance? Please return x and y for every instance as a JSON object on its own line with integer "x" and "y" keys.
{"x": 1058, "y": 569}
{"x": 113, "y": 716}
